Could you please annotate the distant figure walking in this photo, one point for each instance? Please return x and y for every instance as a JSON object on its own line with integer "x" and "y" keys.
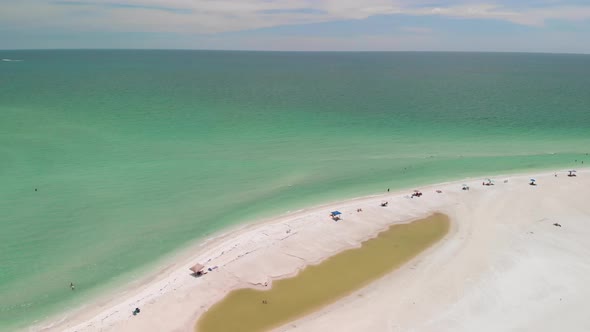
{"x": 72, "y": 286}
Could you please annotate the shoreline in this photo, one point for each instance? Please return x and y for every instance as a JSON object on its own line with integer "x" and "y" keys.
{"x": 172, "y": 277}
{"x": 186, "y": 255}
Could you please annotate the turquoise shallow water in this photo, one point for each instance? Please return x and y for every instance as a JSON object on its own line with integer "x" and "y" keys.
{"x": 135, "y": 154}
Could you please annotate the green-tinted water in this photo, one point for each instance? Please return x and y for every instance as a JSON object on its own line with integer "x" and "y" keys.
{"x": 250, "y": 310}
{"x": 137, "y": 153}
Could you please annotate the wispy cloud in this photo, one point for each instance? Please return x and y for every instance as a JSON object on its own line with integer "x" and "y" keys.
{"x": 535, "y": 15}
{"x": 294, "y": 11}
{"x": 212, "y": 17}
{"x": 116, "y": 5}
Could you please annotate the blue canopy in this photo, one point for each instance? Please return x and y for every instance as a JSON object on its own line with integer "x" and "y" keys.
{"x": 335, "y": 213}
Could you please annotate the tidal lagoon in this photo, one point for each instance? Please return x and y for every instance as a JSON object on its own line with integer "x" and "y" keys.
{"x": 251, "y": 310}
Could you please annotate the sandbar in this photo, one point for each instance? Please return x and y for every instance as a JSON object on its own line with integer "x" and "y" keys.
{"x": 515, "y": 258}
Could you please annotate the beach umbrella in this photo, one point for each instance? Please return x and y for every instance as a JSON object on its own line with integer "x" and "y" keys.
{"x": 416, "y": 190}
{"x": 533, "y": 180}
{"x": 335, "y": 213}
{"x": 197, "y": 268}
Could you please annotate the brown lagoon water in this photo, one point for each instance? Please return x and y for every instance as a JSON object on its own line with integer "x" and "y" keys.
{"x": 251, "y": 310}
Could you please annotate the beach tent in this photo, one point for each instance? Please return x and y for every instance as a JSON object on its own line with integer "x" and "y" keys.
{"x": 197, "y": 268}
{"x": 335, "y": 213}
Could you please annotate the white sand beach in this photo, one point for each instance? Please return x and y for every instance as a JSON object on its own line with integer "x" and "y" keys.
{"x": 504, "y": 266}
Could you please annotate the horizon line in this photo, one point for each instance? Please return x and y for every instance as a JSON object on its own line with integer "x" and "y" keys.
{"x": 285, "y": 51}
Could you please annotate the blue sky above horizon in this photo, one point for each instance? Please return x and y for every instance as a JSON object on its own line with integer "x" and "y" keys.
{"x": 561, "y": 26}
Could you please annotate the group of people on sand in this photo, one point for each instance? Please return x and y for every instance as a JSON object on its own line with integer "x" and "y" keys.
{"x": 533, "y": 182}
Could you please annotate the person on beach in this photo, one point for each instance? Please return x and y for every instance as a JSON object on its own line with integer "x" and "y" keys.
{"x": 387, "y": 189}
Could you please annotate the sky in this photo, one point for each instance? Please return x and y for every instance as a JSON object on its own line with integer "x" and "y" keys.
{"x": 556, "y": 26}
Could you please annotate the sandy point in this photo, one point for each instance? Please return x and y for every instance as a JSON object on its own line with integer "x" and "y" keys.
{"x": 516, "y": 258}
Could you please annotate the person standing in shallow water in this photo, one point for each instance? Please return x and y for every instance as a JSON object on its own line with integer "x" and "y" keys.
{"x": 72, "y": 286}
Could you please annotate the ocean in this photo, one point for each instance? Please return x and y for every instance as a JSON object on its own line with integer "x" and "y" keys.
{"x": 112, "y": 160}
